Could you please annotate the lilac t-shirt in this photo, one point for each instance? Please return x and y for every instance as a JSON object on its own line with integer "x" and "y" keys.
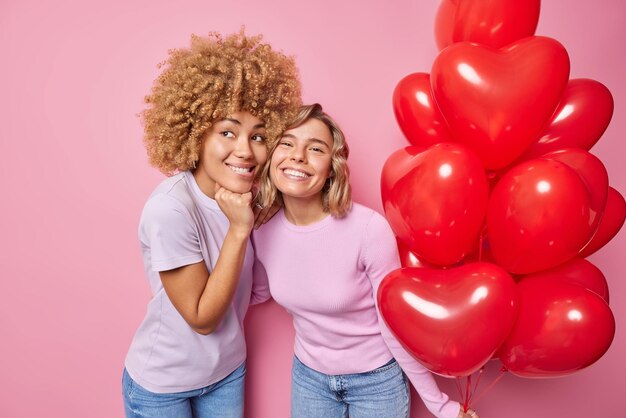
{"x": 179, "y": 226}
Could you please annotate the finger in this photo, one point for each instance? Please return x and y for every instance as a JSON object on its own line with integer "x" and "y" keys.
{"x": 261, "y": 218}
{"x": 267, "y": 214}
{"x": 273, "y": 210}
{"x": 247, "y": 198}
{"x": 222, "y": 195}
{"x": 257, "y": 222}
{"x": 218, "y": 191}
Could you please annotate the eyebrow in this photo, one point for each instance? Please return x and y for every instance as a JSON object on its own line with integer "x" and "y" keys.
{"x": 236, "y": 122}
{"x": 319, "y": 141}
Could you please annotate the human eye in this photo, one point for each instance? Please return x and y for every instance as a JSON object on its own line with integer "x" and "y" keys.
{"x": 284, "y": 143}
{"x": 227, "y": 134}
{"x": 317, "y": 149}
{"x": 258, "y": 138}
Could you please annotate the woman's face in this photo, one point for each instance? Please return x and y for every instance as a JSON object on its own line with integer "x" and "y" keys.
{"x": 232, "y": 153}
{"x": 301, "y": 162}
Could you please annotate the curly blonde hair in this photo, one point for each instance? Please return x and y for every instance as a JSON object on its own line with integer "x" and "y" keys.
{"x": 213, "y": 78}
{"x": 337, "y": 192}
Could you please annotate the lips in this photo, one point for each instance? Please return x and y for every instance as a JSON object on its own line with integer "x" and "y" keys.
{"x": 242, "y": 170}
{"x": 296, "y": 174}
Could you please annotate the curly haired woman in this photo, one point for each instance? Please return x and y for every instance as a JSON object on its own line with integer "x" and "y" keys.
{"x": 211, "y": 115}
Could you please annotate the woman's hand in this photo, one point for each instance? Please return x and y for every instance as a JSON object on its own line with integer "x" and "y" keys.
{"x": 469, "y": 414}
{"x": 237, "y": 209}
{"x": 264, "y": 214}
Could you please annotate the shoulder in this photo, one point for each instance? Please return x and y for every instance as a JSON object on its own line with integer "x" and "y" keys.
{"x": 272, "y": 226}
{"x": 173, "y": 188}
{"x": 378, "y": 250}
{"x": 368, "y": 218}
{"x": 376, "y": 231}
{"x": 170, "y": 200}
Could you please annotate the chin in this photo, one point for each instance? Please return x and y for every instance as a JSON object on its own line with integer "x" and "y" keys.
{"x": 294, "y": 193}
{"x": 238, "y": 187}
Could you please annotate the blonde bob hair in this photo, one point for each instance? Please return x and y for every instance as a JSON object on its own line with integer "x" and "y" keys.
{"x": 213, "y": 78}
{"x": 337, "y": 192}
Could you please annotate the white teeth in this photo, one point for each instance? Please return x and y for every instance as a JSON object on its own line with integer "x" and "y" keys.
{"x": 241, "y": 170}
{"x": 296, "y": 173}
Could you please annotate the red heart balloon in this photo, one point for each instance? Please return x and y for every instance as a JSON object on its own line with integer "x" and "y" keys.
{"x": 452, "y": 321}
{"x": 435, "y": 201}
{"x": 593, "y": 174}
{"x": 408, "y": 259}
{"x": 611, "y": 222}
{"x": 538, "y": 216}
{"x": 398, "y": 164}
{"x": 416, "y": 112}
{"x": 494, "y": 23}
{"x": 482, "y": 253}
{"x": 444, "y": 23}
{"x": 576, "y": 271}
{"x": 579, "y": 121}
{"x": 561, "y": 328}
{"x": 497, "y": 101}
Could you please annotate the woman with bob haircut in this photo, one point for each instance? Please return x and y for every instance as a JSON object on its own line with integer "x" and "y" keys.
{"x": 322, "y": 258}
{"x": 211, "y": 115}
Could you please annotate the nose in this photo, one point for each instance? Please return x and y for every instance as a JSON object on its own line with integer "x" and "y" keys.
{"x": 242, "y": 148}
{"x": 298, "y": 154}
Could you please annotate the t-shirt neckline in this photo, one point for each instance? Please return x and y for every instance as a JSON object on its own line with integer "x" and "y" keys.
{"x": 304, "y": 228}
{"x": 204, "y": 199}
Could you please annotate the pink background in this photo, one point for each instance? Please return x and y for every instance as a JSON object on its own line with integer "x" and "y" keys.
{"x": 74, "y": 178}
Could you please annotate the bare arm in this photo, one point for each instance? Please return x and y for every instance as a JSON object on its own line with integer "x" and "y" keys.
{"x": 203, "y": 299}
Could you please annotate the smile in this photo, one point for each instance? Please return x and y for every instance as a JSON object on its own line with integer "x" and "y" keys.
{"x": 241, "y": 170}
{"x": 296, "y": 173}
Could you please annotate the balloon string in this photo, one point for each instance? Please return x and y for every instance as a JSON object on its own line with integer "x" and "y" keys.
{"x": 480, "y": 373}
{"x": 468, "y": 385}
{"x": 458, "y": 386}
{"x": 488, "y": 388}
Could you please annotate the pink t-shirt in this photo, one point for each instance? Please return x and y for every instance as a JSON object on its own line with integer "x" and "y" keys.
{"x": 326, "y": 275}
{"x": 179, "y": 226}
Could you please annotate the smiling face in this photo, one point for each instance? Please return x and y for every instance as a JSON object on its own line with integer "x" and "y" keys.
{"x": 301, "y": 162}
{"x": 232, "y": 152}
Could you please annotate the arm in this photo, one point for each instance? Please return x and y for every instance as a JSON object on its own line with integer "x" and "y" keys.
{"x": 380, "y": 256}
{"x": 260, "y": 284}
{"x": 202, "y": 299}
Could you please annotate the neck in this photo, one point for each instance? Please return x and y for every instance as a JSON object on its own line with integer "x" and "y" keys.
{"x": 304, "y": 211}
{"x": 204, "y": 182}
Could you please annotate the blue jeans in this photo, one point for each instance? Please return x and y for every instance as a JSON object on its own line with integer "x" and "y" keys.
{"x": 223, "y": 399}
{"x": 380, "y": 393}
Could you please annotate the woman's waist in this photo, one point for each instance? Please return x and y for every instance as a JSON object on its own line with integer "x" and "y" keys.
{"x": 346, "y": 354}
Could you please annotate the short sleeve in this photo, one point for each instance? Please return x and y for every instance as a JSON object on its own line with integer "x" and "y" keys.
{"x": 260, "y": 284}
{"x": 260, "y": 281}
{"x": 168, "y": 231}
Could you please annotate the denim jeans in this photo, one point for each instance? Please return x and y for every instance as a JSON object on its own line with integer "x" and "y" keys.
{"x": 223, "y": 399}
{"x": 379, "y": 393}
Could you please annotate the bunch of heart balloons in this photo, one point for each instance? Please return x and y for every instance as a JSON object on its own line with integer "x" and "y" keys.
{"x": 497, "y": 201}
